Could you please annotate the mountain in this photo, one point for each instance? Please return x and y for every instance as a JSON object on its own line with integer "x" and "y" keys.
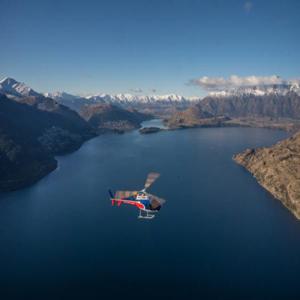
{"x": 72, "y": 101}
{"x": 23, "y": 159}
{"x": 33, "y": 129}
{"x": 61, "y": 116}
{"x": 66, "y": 129}
{"x": 107, "y": 117}
{"x": 161, "y": 106}
{"x": 194, "y": 116}
{"x": 158, "y": 105}
{"x": 99, "y": 115}
{"x": 65, "y": 98}
{"x": 13, "y": 88}
{"x": 277, "y": 169}
{"x": 277, "y": 103}
{"x": 263, "y": 90}
{"x": 270, "y": 105}
{"x": 129, "y": 98}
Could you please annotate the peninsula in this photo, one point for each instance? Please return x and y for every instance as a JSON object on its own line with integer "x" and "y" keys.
{"x": 277, "y": 169}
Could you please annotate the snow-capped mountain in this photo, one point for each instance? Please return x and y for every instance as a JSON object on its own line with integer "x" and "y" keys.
{"x": 124, "y": 100}
{"x": 73, "y": 101}
{"x": 277, "y": 101}
{"x": 13, "y": 88}
{"x": 61, "y": 95}
{"x": 129, "y": 98}
{"x": 151, "y": 103}
{"x": 278, "y": 89}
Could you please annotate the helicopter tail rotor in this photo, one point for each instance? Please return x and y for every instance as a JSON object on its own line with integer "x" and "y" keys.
{"x": 111, "y": 194}
{"x": 156, "y": 202}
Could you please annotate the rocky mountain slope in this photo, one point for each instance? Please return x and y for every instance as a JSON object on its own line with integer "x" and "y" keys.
{"x": 29, "y": 139}
{"x": 72, "y": 101}
{"x": 271, "y": 106}
{"x": 194, "y": 116}
{"x": 13, "y": 88}
{"x": 159, "y": 105}
{"x": 108, "y": 108}
{"x": 260, "y": 90}
{"x": 66, "y": 130}
{"x": 32, "y": 130}
{"x": 108, "y": 117}
{"x": 277, "y": 169}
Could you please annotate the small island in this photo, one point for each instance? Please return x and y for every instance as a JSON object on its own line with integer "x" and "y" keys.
{"x": 147, "y": 130}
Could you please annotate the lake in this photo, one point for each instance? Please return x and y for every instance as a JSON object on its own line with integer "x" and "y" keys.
{"x": 219, "y": 236}
{"x": 154, "y": 123}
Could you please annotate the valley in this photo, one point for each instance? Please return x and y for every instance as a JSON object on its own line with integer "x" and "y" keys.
{"x": 63, "y": 122}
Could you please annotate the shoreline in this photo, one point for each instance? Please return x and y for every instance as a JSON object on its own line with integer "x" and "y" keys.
{"x": 26, "y": 183}
{"x": 288, "y": 125}
{"x": 276, "y": 169}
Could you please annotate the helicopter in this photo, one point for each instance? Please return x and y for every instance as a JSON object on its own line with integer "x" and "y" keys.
{"x": 147, "y": 204}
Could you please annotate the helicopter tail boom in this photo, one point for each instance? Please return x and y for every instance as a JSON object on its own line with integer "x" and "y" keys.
{"x": 130, "y": 202}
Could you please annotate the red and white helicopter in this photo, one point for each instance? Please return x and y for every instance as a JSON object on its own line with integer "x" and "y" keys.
{"x": 148, "y": 204}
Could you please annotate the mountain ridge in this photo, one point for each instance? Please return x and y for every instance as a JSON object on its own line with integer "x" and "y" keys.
{"x": 277, "y": 169}
{"x": 109, "y": 117}
{"x": 12, "y": 87}
{"x": 274, "y": 108}
{"x": 275, "y": 89}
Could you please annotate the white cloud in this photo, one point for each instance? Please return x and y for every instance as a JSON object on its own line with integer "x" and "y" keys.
{"x": 248, "y": 5}
{"x": 234, "y": 81}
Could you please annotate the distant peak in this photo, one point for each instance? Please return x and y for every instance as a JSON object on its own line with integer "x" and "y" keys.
{"x": 10, "y": 86}
{"x": 260, "y": 90}
{"x": 8, "y": 80}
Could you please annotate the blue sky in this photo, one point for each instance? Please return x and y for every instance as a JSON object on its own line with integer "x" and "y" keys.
{"x": 117, "y": 45}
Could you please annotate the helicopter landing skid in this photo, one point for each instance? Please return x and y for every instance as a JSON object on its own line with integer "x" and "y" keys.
{"x": 148, "y": 215}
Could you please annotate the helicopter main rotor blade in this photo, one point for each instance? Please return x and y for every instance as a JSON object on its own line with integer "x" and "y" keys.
{"x": 124, "y": 194}
{"x": 156, "y": 201}
{"x": 150, "y": 179}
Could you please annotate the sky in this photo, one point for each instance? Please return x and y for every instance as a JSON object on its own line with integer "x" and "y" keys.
{"x": 146, "y": 46}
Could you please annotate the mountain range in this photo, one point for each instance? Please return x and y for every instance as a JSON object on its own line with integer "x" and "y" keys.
{"x": 13, "y": 88}
{"x": 154, "y": 104}
{"x": 262, "y": 90}
{"x": 270, "y": 104}
{"x": 158, "y": 105}
{"x": 10, "y": 86}
{"x": 34, "y": 128}
{"x": 31, "y": 134}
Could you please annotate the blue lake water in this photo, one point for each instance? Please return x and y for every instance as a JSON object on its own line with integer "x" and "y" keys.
{"x": 154, "y": 123}
{"x": 219, "y": 235}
